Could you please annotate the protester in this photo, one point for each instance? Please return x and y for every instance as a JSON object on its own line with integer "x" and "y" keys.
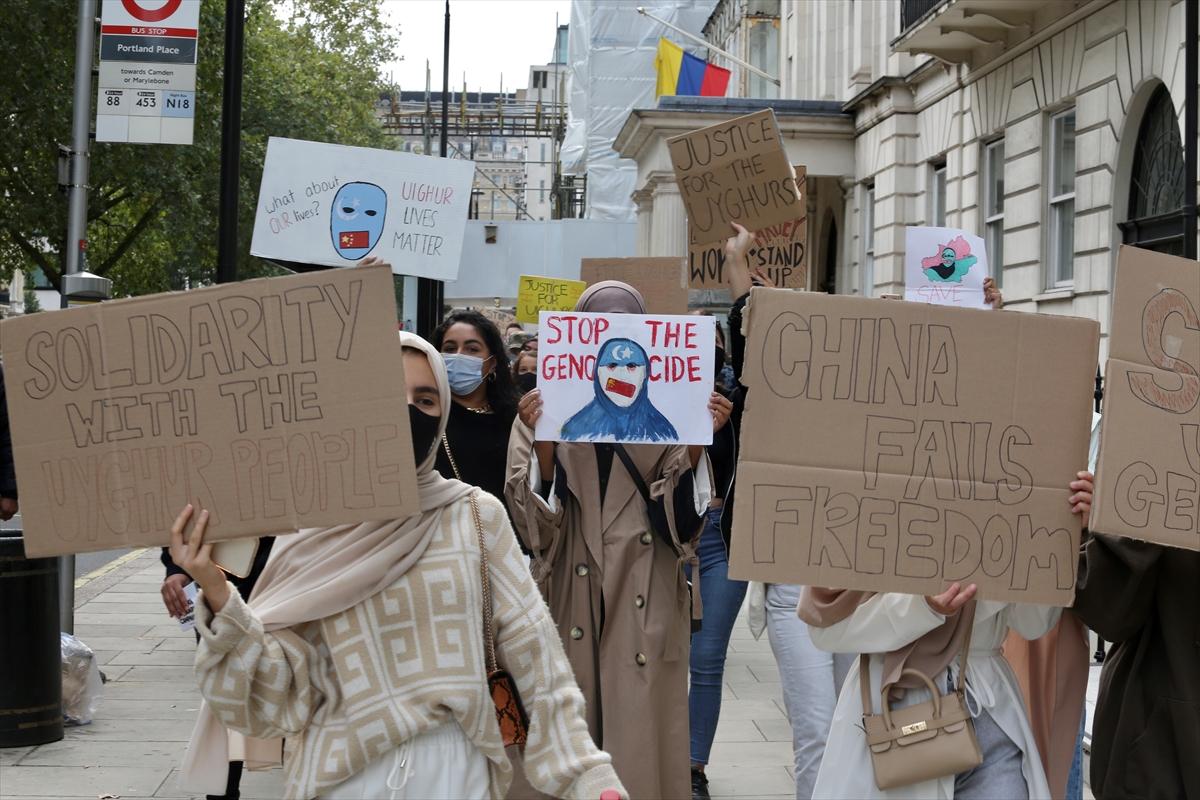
{"x": 475, "y": 447}
{"x": 364, "y": 645}
{"x": 609, "y": 563}
{"x": 722, "y": 598}
{"x": 525, "y": 372}
{"x": 1143, "y": 598}
{"x": 8, "y": 474}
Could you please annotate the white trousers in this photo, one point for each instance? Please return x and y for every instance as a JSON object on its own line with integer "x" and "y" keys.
{"x": 441, "y": 764}
{"x": 811, "y": 680}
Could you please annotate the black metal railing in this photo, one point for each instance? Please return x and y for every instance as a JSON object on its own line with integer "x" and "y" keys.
{"x": 912, "y": 11}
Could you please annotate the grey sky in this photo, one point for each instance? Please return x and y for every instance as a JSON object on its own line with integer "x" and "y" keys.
{"x": 487, "y": 38}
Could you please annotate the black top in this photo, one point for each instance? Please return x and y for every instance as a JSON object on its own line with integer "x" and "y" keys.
{"x": 722, "y": 454}
{"x": 8, "y": 476}
{"x": 479, "y": 443}
{"x": 244, "y": 585}
{"x": 737, "y": 358}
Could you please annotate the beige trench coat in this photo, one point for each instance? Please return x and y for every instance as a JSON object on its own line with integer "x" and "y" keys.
{"x": 621, "y": 602}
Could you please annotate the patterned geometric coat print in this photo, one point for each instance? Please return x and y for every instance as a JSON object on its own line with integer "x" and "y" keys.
{"x": 348, "y": 689}
{"x": 619, "y": 596}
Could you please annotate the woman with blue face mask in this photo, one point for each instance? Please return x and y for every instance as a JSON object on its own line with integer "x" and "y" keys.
{"x": 484, "y": 401}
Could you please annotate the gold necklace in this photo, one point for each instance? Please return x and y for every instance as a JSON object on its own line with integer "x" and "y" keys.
{"x": 487, "y": 409}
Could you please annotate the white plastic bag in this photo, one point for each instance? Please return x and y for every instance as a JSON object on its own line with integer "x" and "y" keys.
{"x": 82, "y": 687}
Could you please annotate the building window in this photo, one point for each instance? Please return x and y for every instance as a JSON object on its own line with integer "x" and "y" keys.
{"x": 539, "y": 79}
{"x": 937, "y": 195}
{"x": 542, "y": 191}
{"x": 1156, "y": 196}
{"x": 1061, "y": 244}
{"x": 868, "y": 233}
{"x": 543, "y": 152}
{"x": 993, "y": 207}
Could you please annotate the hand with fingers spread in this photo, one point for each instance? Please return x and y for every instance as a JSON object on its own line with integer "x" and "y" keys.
{"x": 760, "y": 277}
{"x": 950, "y": 601}
{"x": 1081, "y": 497}
{"x": 173, "y": 595}
{"x": 194, "y": 556}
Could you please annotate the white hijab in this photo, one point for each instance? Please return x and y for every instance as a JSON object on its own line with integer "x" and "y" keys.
{"x": 318, "y": 572}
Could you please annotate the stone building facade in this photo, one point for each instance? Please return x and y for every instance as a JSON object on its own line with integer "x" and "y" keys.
{"x": 1053, "y": 128}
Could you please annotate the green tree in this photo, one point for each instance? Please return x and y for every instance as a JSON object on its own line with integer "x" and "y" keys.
{"x": 312, "y": 71}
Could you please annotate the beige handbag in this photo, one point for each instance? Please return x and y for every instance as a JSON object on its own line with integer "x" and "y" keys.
{"x": 923, "y": 741}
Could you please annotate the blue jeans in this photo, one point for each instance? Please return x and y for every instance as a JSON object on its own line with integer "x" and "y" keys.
{"x": 1075, "y": 776}
{"x": 722, "y": 600}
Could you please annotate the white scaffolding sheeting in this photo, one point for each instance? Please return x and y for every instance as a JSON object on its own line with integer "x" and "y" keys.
{"x": 611, "y": 72}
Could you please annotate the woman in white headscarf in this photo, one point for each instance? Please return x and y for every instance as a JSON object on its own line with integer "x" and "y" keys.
{"x": 363, "y": 646}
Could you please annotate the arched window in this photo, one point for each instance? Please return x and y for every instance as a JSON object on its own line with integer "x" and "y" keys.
{"x": 1155, "y": 217}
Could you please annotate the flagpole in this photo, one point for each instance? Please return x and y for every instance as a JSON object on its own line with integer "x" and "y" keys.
{"x": 710, "y": 46}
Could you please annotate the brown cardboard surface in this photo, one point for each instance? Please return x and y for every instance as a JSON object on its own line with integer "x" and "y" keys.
{"x": 1148, "y": 471}
{"x": 734, "y": 171}
{"x": 275, "y": 404}
{"x": 781, "y": 251}
{"x": 660, "y": 279}
{"x": 931, "y": 444}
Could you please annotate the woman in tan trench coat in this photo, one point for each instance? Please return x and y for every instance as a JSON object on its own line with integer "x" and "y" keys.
{"x": 615, "y": 586}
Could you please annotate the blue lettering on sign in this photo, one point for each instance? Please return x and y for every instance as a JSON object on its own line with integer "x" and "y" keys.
{"x": 179, "y": 104}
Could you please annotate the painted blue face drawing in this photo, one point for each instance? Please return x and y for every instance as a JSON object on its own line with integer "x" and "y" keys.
{"x": 356, "y": 219}
{"x": 621, "y": 409}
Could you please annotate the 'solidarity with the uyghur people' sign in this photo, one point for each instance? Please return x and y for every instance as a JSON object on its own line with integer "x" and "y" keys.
{"x": 334, "y": 205}
{"x": 630, "y": 378}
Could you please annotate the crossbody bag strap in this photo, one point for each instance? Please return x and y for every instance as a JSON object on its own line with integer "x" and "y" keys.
{"x": 450, "y": 458}
{"x": 636, "y": 475}
{"x": 489, "y": 637}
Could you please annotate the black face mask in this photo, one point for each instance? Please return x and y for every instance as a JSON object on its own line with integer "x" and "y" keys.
{"x": 720, "y": 357}
{"x": 424, "y": 432}
{"x": 527, "y": 382}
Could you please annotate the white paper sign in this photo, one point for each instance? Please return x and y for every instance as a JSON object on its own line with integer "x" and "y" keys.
{"x": 188, "y": 621}
{"x": 944, "y": 266}
{"x": 333, "y": 205}
{"x": 632, "y": 378}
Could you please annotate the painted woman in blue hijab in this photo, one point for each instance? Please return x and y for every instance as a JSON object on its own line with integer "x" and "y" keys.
{"x": 621, "y": 409}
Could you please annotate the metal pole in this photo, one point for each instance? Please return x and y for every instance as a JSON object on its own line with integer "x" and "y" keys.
{"x": 81, "y": 127}
{"x": 1190, "y": 79}
{"x": 430, "y": 291}
{"x": 76, "y": 242}
{"x": 231, "y": 142}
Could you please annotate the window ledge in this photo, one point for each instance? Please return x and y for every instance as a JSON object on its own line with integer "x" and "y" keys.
{"x": 1051, "y": 295}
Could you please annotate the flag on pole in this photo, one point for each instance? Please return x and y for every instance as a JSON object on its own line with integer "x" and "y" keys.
{"x": 681, "y": 73}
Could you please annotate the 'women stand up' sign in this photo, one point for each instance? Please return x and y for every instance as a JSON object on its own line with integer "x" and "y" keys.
{"x": 630, "y": 378}
{"x": 334, "y": 205}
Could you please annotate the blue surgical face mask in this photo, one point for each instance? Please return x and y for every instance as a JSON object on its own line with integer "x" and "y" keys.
{"x": 464, "y": 372}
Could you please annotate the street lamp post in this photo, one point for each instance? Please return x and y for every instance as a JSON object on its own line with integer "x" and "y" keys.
{"x": 429, "y": 291}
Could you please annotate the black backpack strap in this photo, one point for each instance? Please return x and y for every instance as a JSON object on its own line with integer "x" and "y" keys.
{"x": 654, "y": 511}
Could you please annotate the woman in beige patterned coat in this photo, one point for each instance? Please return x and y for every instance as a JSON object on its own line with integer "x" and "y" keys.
{"x": 615, "y": 585}
{"x": 363, "y": 648}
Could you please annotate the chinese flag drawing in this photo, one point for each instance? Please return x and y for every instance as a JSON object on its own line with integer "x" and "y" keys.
{"x": 353, "y": 239}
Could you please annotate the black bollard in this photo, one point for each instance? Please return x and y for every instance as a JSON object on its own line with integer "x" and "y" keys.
{"x": 31, "y": 669}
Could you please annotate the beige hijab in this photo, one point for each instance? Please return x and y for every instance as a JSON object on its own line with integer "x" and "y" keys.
{"x": 319, "y": 572}
{"x": 929, "y": 654}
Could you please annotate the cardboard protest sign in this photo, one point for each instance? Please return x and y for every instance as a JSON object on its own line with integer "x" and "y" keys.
{"x": 660, "y": 279}
{"x": 625, "y": 378}
{"x": 944, "y": 266}
{"x": 892, "y": 446}
{"x": 1148, "y": 476}
{"x": 274, "y": 404}
{"x": 536, "y": 293}
{"x": 781, "y": 251}
{"x": 333, "y": 205}
{"x": 734, "y": 171}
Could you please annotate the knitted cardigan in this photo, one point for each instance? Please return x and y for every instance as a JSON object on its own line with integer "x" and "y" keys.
{"x": 347, "y": 689}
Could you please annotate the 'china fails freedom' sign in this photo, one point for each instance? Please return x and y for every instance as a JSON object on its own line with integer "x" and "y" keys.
{"x": 893, "y": 446}
{"x": 275, "y": 404}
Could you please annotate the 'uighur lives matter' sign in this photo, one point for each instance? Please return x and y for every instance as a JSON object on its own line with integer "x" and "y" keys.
{"x": 275, "y": 404}
{"x": 895, "y": 446}
{"x": 334, "y": 205}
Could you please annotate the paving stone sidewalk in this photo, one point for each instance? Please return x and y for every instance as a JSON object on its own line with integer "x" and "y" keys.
{"x": 133, "y": 747}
